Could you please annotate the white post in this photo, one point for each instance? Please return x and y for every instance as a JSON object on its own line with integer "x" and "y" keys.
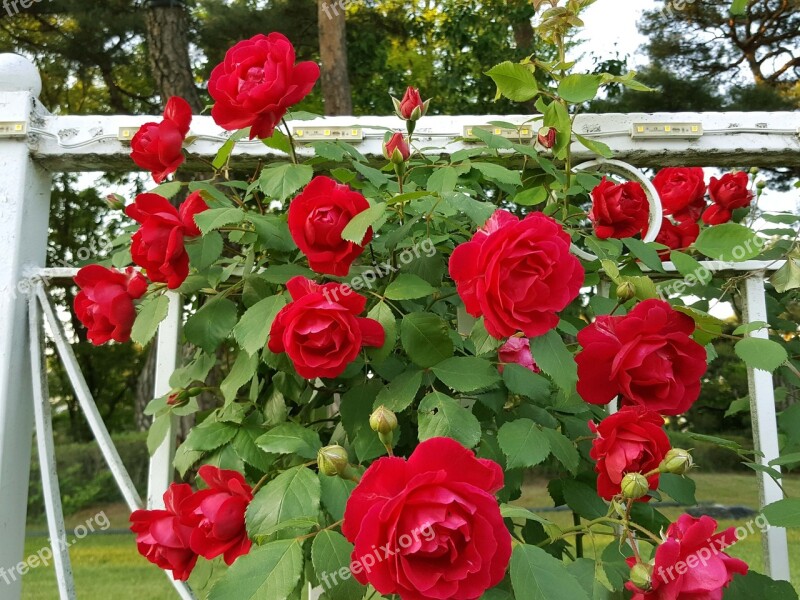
{"x": 24, "y": 212}
{"x": 765, "y": 431}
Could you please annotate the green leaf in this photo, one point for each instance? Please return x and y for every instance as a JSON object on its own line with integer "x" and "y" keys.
{"x": 787, "y": 277}
{"x": 750, "y": 327}
{"x": 498, "y": 174}
{"x": 204, "y": 250}
{"x": 787, "y": 459}
{"x": 596, "y": 146}
{"x": 383, "y": 315}
{"x": 551, "y": 355}
{"x": 739, "y": 405}
{"x": 441, "y": 416}
{"x": 278, "y": 141}
{"x": 270, "y": 572}
{"x": 272, "y": 232}
{"x": 525, "y": 382}
{"x": 523, "y": 442}
{"x": 408, "y": 287}
{"x": 291, "y": 438}
{"x": 484, "y": 343}
{"x": 755, "y": 585}
{"x": 400, "y": 392}
{"x": 583, "y": 499}
{"x": 210, "y": 325}
{"x": 356, "y": 229}
{"x": 466, "y": 373}
{"x": 242, "y": 371}
{"x": 563, "y": 449}
{"x": 708, "y": 326}
{"x": 330, "y": 555}
{"x": 214, "y": 218}
{"x": 729, "y": 242}
{"x": 167, "y": 190}
{"x": 644, "y": 252}
{"x": 761, "y": 354}
{"x": 252, "y": 330}
{"x": 158, "y": 432}
{"x": 292, "y": 494}
{"x": 783, "y": 513}
{"x": 491, "y": 140}
{"x": 426, "y": 339}
{"x": 514, "y": 81}
{"x": 531, "y": 196}
{"x": 374, "y": 176}
{"x": 693, "y": 272}
{"x": 147, "y": 321}
{"x": 680, "y": 489}
{"x": 578, "y": 88}
{"x": 508, "y": 511}
{"x": 281, "y": 181}
{"x": 536, "y": 575}
{"x": 739, "y": 7}
{"x": 225, "y": 150}
{"x": 210, "y": 435}
{"x": 443, "y": 179}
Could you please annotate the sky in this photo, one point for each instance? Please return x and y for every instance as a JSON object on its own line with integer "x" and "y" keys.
{"x": 611, "y": 28}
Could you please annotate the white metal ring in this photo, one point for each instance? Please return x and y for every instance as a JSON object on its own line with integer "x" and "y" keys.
{"x": 631, "y": 173}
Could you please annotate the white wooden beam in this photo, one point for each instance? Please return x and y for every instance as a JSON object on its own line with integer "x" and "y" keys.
{"x": 767, "y": 139}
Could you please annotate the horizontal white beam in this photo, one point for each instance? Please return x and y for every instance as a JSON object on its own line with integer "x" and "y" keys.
{"x": 90, "y": 143}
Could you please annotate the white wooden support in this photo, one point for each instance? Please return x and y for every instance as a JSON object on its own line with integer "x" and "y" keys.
{"x": 47, "y": 456}
{"x": 87, "y": 403}
{"x": 24, "y": 212}
{"x": 765, "y": 431}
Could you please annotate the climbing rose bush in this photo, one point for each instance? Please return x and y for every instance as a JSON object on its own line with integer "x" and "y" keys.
{"x": 381, "y": 343}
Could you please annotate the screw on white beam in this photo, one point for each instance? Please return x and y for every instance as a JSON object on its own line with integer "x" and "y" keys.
{"x": 765, "y": 431}
{"x": 47, "y": 456}
{"x": 24, "y": 212}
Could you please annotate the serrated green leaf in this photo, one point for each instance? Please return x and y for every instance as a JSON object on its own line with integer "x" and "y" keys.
{"x": 214, "y": 218}
{"x": 536, "y": 575}
{"x": 400, "y": 392}
{"x": 425, "y": 339}
{"x": 441, "y": 416}
{"x": 270, "y": 572}
{"x": 761, "y": 353}
{"x": 281, "y": 181}
{"x": 408, "y": 287}
{"x": 523, "y": 442}
{"x": 291, "y": 438}
{"x": 514, "y": 81}
{"x": 252, "y": 330}
{"x": 466, "y": 373}
{"x": 147, "y": 321}
{"x": 293, "y": 494}
{"x": 356, "y": 229}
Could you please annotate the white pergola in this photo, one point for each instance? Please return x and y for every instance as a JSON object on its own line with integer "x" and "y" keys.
{"x": 35, "y": 144}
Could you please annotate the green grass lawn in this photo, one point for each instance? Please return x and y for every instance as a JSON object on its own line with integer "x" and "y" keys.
{"x": 109, "y": 567}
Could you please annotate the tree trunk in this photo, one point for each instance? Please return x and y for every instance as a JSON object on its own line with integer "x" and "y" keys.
{"x": 333, "y": 55}
{"x": 168, "y": 50}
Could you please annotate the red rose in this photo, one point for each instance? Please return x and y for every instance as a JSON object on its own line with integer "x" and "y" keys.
{"x": 317, "y": 217}
{"x": 257, "y": 83}
{"x": 435, "y": 522}
{"x": 396, "y": 149}
{"x": 217, "y": 515}
{"x": 320, "y": 329}
{"x": 619, "y": 210}
{"x": 692, "y": 212}
{"x": 690, "y": 563}
{"x": 162, "y": 536}
{"x": 647, "y": 357}
{"x": 679, "y": 188}
{"x": 727, "y": 194}
{"x": 158, "y": 246}
{"x": 517, "y": 350}
{"x": 547, "y": 137}
{"x": 632, "y": 440}
{"x": 517, "y": 273}
{"x": 676, "y": 237}
{"x": 105, "y": 303}
{"x": 411, "y": 107}
{"x": 158, "y": 147}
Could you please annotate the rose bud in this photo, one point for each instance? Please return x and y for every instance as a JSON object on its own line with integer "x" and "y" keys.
{"x": 677, "y": 461}
{"x": 383, "y": 422}
{"x": 626, "y": 291}
{"x": 640, "y": 576}
{"x": 547, "y": 137}
{"x": 411, "y": 107}
{"x": 115, "y": 202}
{"x": 396, "y": 150}
{"x": 634, "y": 486}
{"x": 333, "y": 461}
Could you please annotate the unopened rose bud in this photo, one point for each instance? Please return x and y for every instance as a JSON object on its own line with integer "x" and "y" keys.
{"x": 180, "y": 397}
{"x": 547, "y": 137}
{"x": 174, "y": 399}
{"x": 333, "y": 461}
{"x": 115, "y": 202}
{"x": 411, "y": 107}
{"x": 677, "y": 461}
{"x": 396, "y": 150}
{"x": 761, "y": 184}
{"x": 634, "y": 486}
{"x": 755, "y": 171}
{"x": 641, "y": 575}
{"x": 626, "y": 291}
{"x": 383, "y": 422}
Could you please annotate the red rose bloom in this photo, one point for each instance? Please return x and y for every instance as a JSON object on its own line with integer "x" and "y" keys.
{"x": 320, "y": 329}
{"x": 679, "y": 188}
{"x": 436, "y": 519}
{"x": 396, "y": 149}
{"x": 619, "y": 210}
{"x": 158, "y": 147}
{"x": 517, "y": 273}
{"x": 632, "y": 440}
{"x": 412, "y": 108}
{"x": 257, "y": 83}
{"x": 517, "y": 350}
{"x": 692, "y": 212}
{"x": 105, "y": 303}
{"x": 158, "y": 246}
{"x": 217, "y": 515}
{"x": 646, "y": 357}
{"x": 727, "y": 194}
{"x": 690, "y": 563}
{"x": 162, "y": 536}
{"x": 676, "y": 237}
{"x": 317, "y": 217}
